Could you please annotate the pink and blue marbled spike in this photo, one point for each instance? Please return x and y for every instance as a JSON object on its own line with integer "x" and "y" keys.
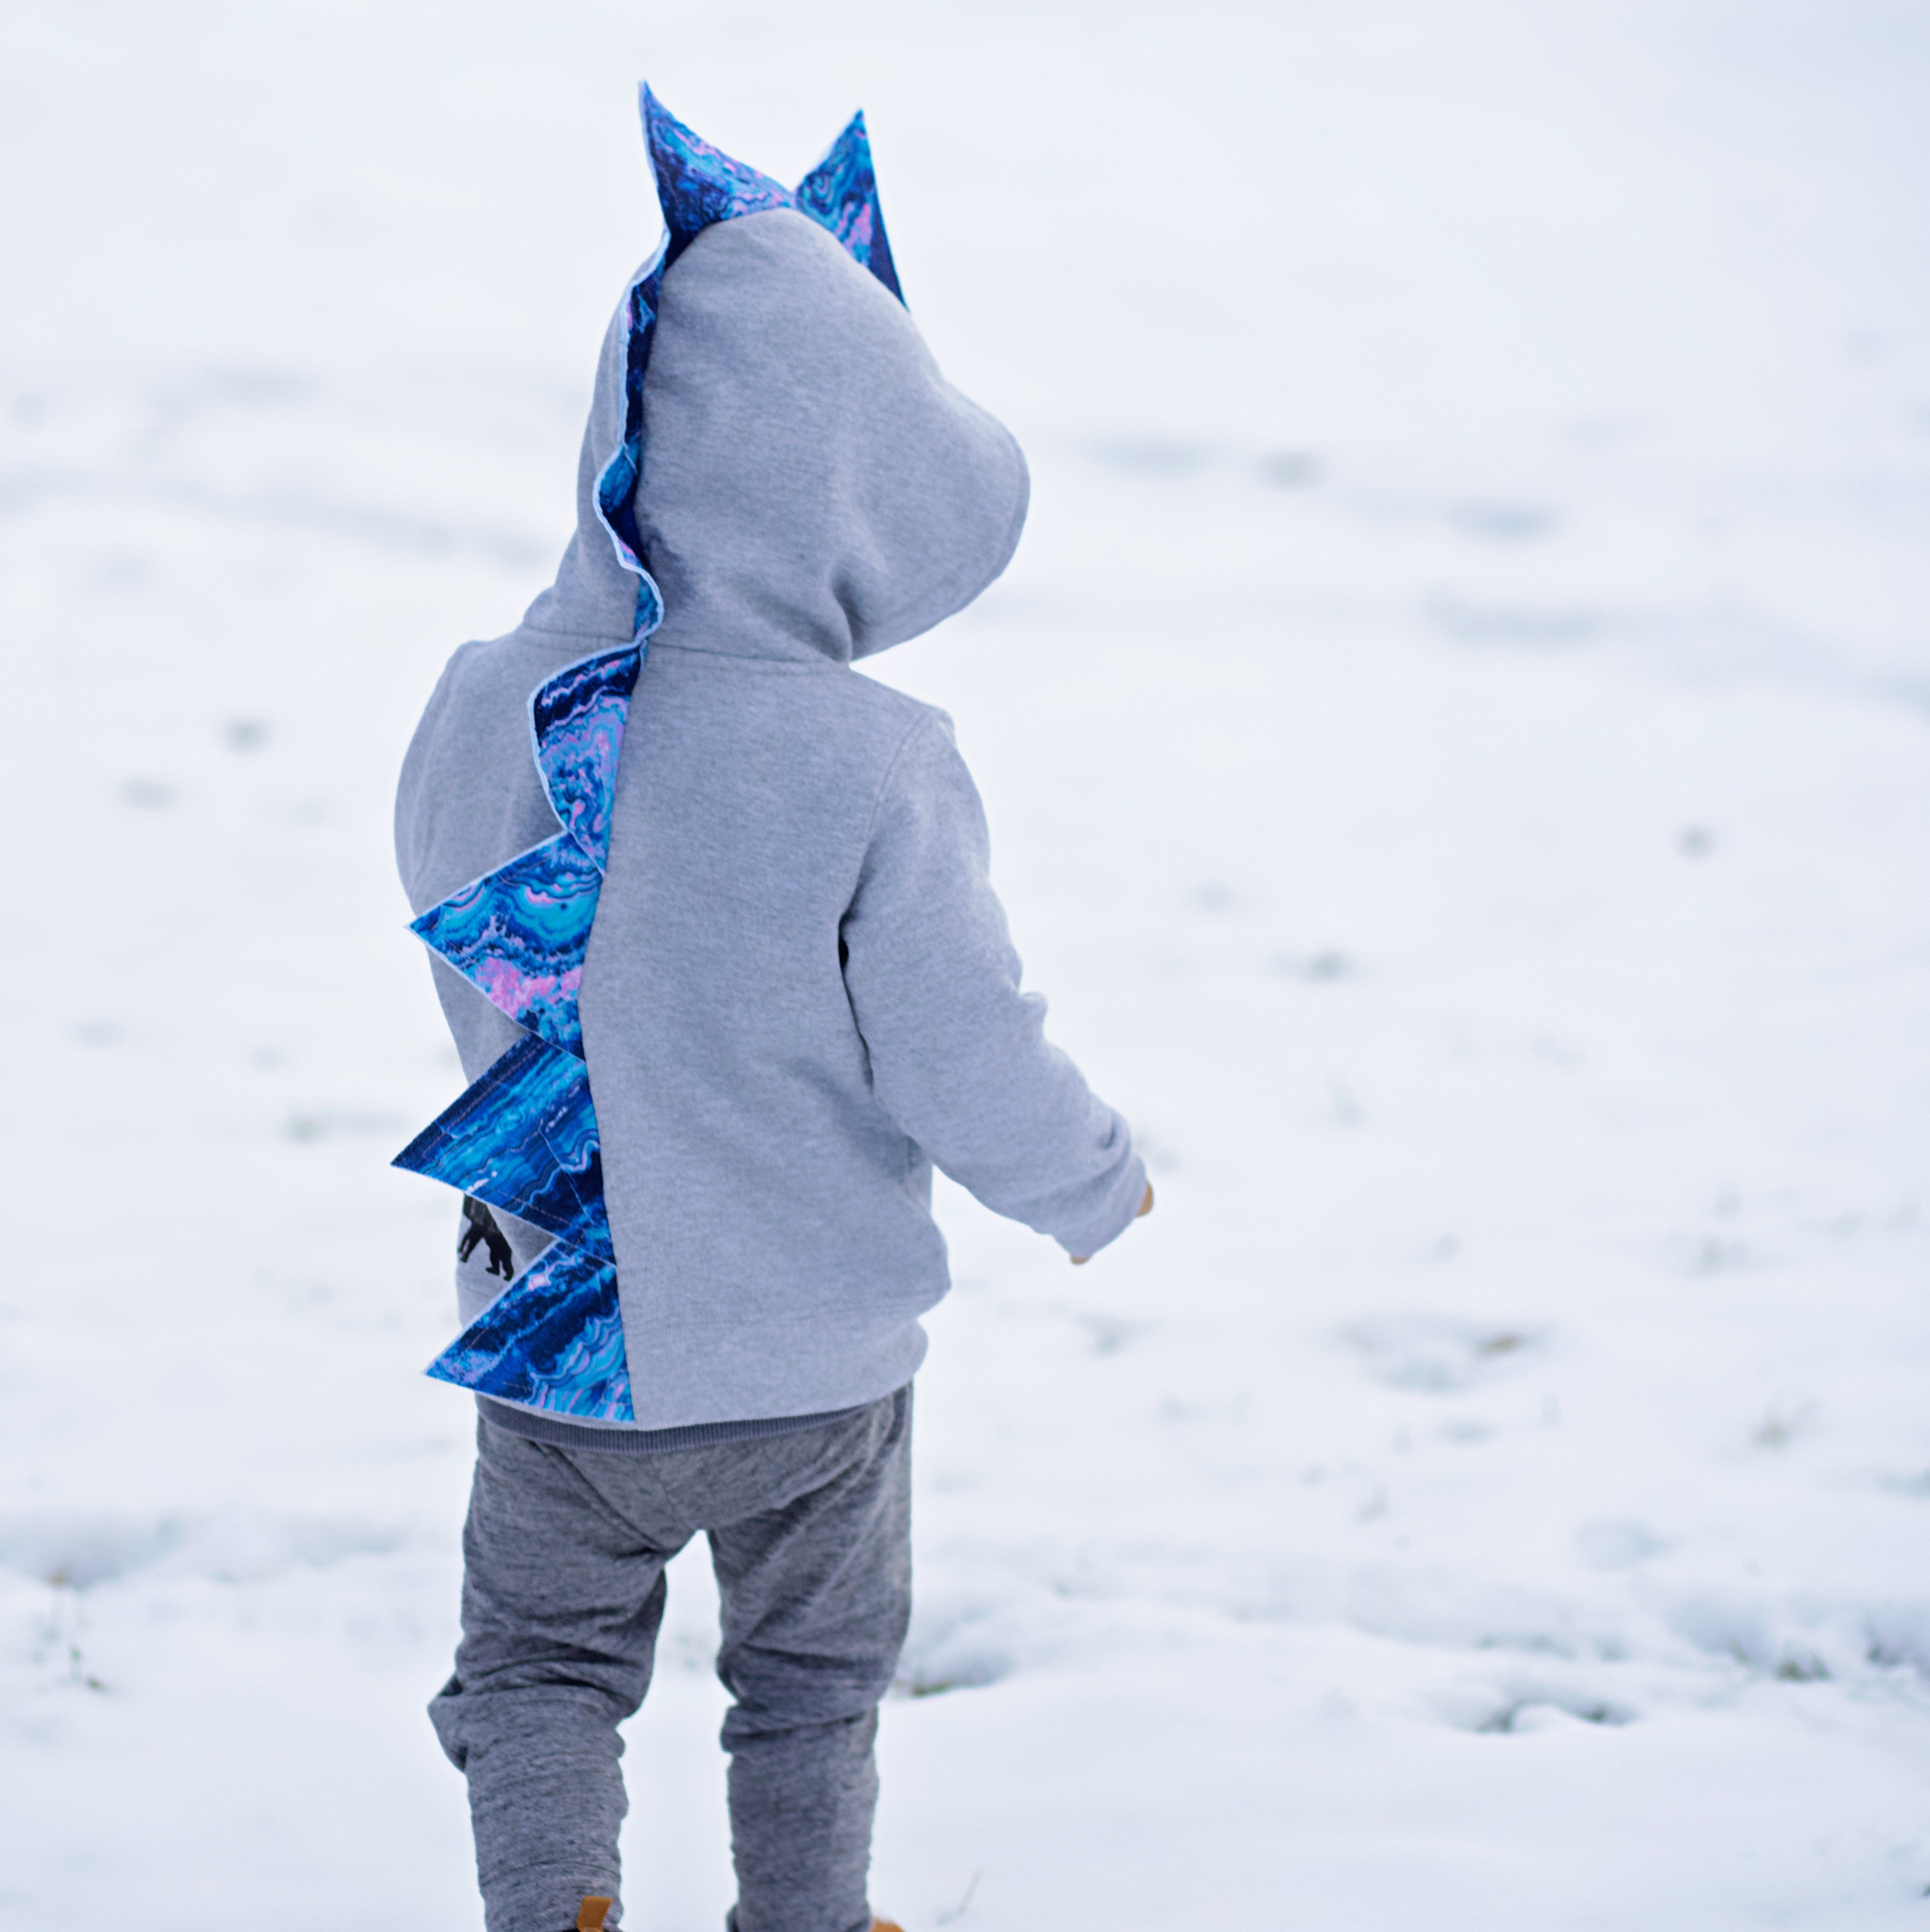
{"x": 552, "y": 1340}
{"x": 576, "y": 723}
{"x": 841, "y": 194}
{"x": 698, "y": 185}
{"x": 520, "y": 934}
{"x": 524, "y": 1137}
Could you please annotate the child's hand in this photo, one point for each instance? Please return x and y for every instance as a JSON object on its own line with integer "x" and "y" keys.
{"x": 1145, "y": 1209}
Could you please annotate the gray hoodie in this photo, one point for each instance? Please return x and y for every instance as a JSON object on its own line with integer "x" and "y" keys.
{"x": 799, "y": 994}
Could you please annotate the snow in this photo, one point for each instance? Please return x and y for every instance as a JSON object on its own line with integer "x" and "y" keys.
{"x": 1455, "y": 741}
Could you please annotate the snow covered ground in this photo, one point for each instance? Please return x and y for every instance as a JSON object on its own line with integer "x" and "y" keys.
{"x": 1456, "y": 739}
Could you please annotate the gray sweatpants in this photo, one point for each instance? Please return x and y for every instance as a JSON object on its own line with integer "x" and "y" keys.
{"x": 562, "y": 1594}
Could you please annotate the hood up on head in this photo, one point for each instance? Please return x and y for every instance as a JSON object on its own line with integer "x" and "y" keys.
{"x": 811, "y": 486}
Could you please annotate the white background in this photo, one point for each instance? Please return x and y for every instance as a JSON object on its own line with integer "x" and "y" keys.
{"x": 1455, "y": 736}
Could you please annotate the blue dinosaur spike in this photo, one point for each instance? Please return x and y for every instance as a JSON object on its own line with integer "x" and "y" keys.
{"x": 552, "y": 1340}
{"x": 841, "y": 194}
{"x": 698, "y": 184}
{"x": 524, "y": 1137}
{"x": 520, "y": 934}
{"x": 576, "y": 725}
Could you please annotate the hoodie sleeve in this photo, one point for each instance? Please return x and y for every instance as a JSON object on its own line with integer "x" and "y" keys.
{"x": 959, "y": 1056}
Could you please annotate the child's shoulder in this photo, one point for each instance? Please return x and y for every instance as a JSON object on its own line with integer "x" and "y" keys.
{"x": 789, "y": 698}
{"x": 900, "y": 733}
{"x": 896, "y": 713}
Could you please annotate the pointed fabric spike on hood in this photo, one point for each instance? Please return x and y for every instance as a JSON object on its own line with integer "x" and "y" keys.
{"x": 697, "y": 185}
{"x": 603, "y": 588}
{"x": 841, "y": 194}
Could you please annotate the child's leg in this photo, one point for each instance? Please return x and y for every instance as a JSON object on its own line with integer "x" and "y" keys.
{"x": 817, "y": 1595}
{"x": 562, "y": 1594}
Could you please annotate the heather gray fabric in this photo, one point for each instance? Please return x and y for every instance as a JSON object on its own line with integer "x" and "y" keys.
{"x": 800, "y": 993}
{"x": 563, "y": 1592}
{"x": 813, "y": 490}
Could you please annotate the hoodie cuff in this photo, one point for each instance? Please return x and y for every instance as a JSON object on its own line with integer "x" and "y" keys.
{"x": 1112, "y": 1215}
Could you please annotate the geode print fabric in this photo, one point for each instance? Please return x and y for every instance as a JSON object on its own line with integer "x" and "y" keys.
{"x": 553, "y": 1340}
{"x": 523, "y": 1137}
{"x": 841, "y": 194}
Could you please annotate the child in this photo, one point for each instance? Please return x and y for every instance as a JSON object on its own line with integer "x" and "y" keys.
{"x": 793, "y": 995}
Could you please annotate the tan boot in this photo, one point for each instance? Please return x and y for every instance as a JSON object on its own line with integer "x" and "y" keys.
{"x": 590, "y": 1914}
{"x": 884, "y": 1925}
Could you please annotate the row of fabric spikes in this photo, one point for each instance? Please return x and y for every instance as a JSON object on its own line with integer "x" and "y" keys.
{"x": 524, "y": 1137}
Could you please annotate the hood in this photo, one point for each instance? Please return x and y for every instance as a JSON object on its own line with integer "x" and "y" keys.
{"x": 811, "y": 485}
